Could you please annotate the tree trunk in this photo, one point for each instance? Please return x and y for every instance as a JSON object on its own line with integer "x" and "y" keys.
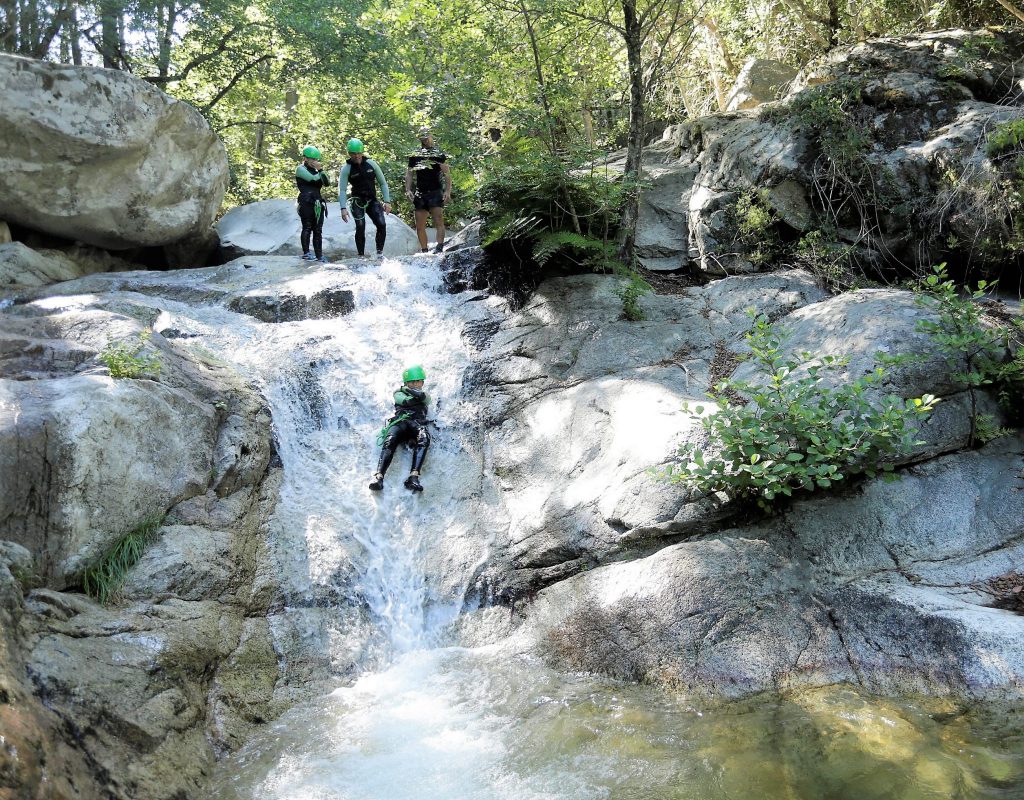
{"x": 72, "y": 32}
{"x": 633, "y": 36}
{"x": 834, "y": 23}
{"x": 110, "y": 33}
{"x": 166, "y": 36}
{"x": 8, "y": 26}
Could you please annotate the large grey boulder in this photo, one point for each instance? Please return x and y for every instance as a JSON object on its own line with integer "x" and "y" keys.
{"x": 272, "y": 227}
{"x": 583, "y": 404}
{"x": 889, "y": 587}
{"x": 99, "y": 156}
{"x": 88, "y": 458}
{"x": 761, "y": 80}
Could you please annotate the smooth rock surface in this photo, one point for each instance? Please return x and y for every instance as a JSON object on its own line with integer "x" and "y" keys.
{"x": 272, "y": 227}
{"x": 876, "y": 587}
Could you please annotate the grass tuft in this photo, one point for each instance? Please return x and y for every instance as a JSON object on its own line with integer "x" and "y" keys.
{"x": 104, "y": 579}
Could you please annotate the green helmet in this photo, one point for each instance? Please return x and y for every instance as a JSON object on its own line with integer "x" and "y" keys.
{"x": 311, "y": 152}
{"x": 355, "y": 146}
{"x": 415, "y": 373}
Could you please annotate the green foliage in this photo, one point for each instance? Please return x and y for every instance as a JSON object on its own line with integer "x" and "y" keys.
{"x": 554, "y": 218}
{"x": 756, "y": 226}
{"x": 792, "y": 430}
{"x": 27, "y": 578}
{"x": 635, "y": 288}
{"x": 974, "y": 349}
{"x": 829, "y": 260}
{"x": 824, "y": 113}
{"x": 970, "y": 59}
{"x": 1006, "y": 137}
{"x": 125, "y": 361}
{"x": 104, "y": 579}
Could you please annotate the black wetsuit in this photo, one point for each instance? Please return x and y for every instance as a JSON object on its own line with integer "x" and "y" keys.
{"x": 363, "y": 178}
{"x": 312, "y": 208}
{"x": 409, "y": 424}
{"x": 425, "y": 164}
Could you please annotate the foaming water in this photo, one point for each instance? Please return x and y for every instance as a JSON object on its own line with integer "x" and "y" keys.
{"x": 329, "y": 384}
{"x": 425, "y": 721}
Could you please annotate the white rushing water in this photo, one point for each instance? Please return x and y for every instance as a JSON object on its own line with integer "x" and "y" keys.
{"x": 372, "y": 581}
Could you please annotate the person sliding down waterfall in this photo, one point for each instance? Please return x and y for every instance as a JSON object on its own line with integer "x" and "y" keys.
{"x": 364, "y": 174}
{"x": 409, "y": 424}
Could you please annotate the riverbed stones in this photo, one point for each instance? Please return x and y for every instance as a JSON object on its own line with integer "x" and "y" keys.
{"x": 125, "y": 165}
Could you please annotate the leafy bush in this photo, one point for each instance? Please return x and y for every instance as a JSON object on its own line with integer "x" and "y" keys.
{"x": 974, "y": 350}
{"x": 125, "y": 361}
{"x": 795, "y": 432}
{"x": 630, "y": 295}
{"x": 104, "y": 579}
{"x": 552, "y": 217}
{"x": 829, "y": 260}
{"x": 755, "y": 223}
{"x": 825, "y": 113}
{"x": 1006, "y": 137}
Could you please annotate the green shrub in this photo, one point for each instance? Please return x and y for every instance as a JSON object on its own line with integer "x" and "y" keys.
{"x": 756, "y": 226}
{"x": 825, "y": 113}
{"x": 630, "y": 295}
{"x": 973, "y": 349}
{"x": 555, "y": 217}
{"x": 125, "y": 361}
{"x": 794, "y": 432}
{"x": 104, "y": 579}
{"x": 829, "y": 260}
{"x": 1006, "y": 137}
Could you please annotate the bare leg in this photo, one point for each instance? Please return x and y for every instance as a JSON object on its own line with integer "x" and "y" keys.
{"x": 437, "y": 213}
{"x": 421, "y": 227}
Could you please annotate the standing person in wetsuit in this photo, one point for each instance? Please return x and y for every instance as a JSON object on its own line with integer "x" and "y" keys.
{"x": 311, "y": 177}
{"x": 409, "y": 424}
{"x": 428, "y": 165}
{"x": 363, "y": 174}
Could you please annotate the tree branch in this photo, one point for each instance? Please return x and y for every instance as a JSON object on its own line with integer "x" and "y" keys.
{"x": 198, "y": 61}
{"x": 249, "y": 122}
{"x": 1012, "y": 9}
{"x": 231, "y": 83}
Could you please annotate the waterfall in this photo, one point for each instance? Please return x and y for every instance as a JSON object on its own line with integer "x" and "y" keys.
{"x": 329, "y": 384}
{"x": 370, "y": 581}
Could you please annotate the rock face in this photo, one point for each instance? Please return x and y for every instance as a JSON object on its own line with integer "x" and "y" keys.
{"x": 272, "y": 227}
{"x": 86, "y": 460}
{"x": 878, "y": 588}
{"x": 22, "y": 266}
{"x": 583, "y": 404}
{"x": 123, "y": 164}
{"x": 895, "y": 174}
{"x": 760, "y": 81}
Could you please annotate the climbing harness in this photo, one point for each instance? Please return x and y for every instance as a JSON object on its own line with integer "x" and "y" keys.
{"x": 361, "y": 204}
{"x": 384, "y": 431}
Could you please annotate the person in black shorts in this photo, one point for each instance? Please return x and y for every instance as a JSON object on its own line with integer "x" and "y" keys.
{"x": 428, "y": 165}
{"x": 363, "y": 175}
